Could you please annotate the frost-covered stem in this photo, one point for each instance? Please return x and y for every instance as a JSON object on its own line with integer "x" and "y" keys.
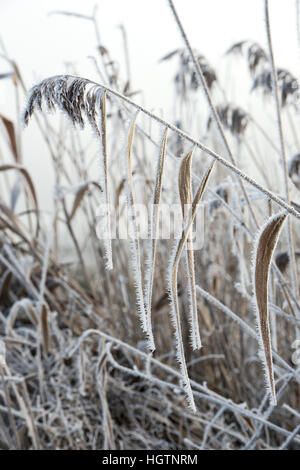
{"x": 194, "y": 324}
{"x": 210, "y": 298}
{"x": 99, "y": 43}
{"x": 291, "y": 250}
{"x": 154, "y": 220}
{"x": 281, "y": 202}
{"x": 202, "y": 82}
{"x": 45, "y": 261}
{"x": 172, "y": 282}
{"x": 178, "y": 331}
{"x": 9, "y": 409}
{"x": 205, "y": 393}
{"x": 77, "y": 247}
{"x": 265, "y": 135}
{"x": 126, "y": 53}
{"x": 298, "y": 23}
{"x": 290, "y": 438}
{"x": 133, "y": 237}
{"x": 286, "y": 290}
{"x": 215, "y": 302}
{"x": 107, "y": 244}
{"x": 207, "y": 150}
{"x": 210, "y": 424}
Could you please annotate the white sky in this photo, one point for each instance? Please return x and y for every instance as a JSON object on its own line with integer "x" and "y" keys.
{"x": 42, "y": 43}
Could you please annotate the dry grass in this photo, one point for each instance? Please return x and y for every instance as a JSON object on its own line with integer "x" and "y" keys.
{"x": 100, "y": 339}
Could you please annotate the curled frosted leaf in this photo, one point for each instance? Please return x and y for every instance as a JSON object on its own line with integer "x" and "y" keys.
{"x": 265, "y": 245}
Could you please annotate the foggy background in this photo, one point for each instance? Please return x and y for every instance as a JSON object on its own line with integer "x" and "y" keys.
{"x": 44, "y": 45}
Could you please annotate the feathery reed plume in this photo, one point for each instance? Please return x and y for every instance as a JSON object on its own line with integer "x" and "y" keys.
{"x": 173, "y": 270}
{"x": 232, "y": 117}
{"x": 77, "y": 97}
{"x": 282, "y": 260}
{"x": 186, "y": 75}
{"x": 223, "y": 192}
{"x": 294, "y": 170}
{"x": 287, "y": 83}
{"x": 256, "y": 55}
{"x": 264, "y": 248}
{"x": 80, "y": 100}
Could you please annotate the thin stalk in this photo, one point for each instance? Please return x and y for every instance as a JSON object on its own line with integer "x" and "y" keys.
{"x": 294, "y": 275}
{"x": 10, "y": 414}
{"x": 212, "y": 107}
{"x": 281, "y": 202}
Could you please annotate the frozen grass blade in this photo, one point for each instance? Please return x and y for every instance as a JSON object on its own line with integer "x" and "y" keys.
{"x": 154, "y": 228}
{"x": 186, "y": 198}
{"x": 26, "y": 175}
{"x": 107, "y": 242}
{"x": 80, "y": 192}
{"x": 266, "y": 242}
{"x": 45, "y": 328}
{"x": 10, "y": 129}
{"x": 134, "y": 239}
{"x": 174, "y": 291}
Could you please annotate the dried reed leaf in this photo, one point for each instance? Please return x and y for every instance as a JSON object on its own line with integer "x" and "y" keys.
{"x": 10, "y": 129}
{"x": 186, "y": 198}
{"x": 9, "y": 213}
{"x": 266, "y": 242}
{"x": 45, "y": 328}
{"x": 24, "y": 172}
{"x": 5, "y": 283}
{"x": 80, "y": 194}
{"x": 256, "y": 56}
{"x": 173, "y": 287}
{"x": 154, "y": 227}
